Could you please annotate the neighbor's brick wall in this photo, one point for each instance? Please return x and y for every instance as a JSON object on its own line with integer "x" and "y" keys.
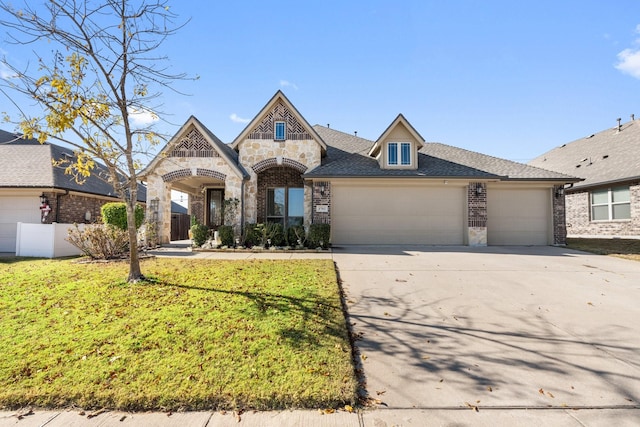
{"x": 579, "y": 223}
{"x": 73, "y": 208}
{"x": 278, "y": 176}
{"x": 559, "y": 218}
{"x": 320, "y": 199}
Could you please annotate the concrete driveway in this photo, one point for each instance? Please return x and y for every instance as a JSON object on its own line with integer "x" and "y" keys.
{"x": 495, "y": 327}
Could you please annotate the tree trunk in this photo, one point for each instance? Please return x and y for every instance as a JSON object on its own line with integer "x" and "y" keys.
{"x": 135, "y": 273}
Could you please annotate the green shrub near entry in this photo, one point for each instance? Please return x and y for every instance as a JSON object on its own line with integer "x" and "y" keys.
{"x": 115, "y": 213}
{"x": 250, "y": 236}
{"x": 295, "y": 233}
{"x": 319, "y": 235}
{"x": 200, "y": 234}
{"x": 225, "y": 232}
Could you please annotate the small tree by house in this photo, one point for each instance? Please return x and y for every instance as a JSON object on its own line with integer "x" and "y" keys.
{"x": 106, "y": 69}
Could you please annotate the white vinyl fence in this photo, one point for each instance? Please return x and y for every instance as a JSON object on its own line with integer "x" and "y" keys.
{"x": 44, "y": 240}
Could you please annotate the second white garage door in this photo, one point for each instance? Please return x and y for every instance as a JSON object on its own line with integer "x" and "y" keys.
{"x": 518, "y": 216}
{"x": 407, "y": 214}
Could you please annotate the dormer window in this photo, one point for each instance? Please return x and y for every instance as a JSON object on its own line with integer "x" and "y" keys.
{"x": 280, "y": 131}
{"x": 399, "y": 152}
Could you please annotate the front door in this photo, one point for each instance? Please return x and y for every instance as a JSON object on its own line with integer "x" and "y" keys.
{"x": 215, "y": 216}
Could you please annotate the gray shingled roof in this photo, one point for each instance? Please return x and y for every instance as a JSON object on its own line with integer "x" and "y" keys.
{"x": 347, "y": 156}
{"x": 28, "y": 164}
{"x": 606, "y": 157}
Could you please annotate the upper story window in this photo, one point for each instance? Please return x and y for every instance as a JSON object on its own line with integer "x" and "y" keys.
{"x": 399, "y": 152}
{"x": 611, "y": 203}
{"x": 280, "y": 131}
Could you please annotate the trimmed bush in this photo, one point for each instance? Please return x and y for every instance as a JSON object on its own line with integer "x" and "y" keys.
{"x": 225, "y": 232}
{"x": 100, "y": 241}
{"x": 115, "y": 214}
{"x": 319, "y": 235}
{"x": 295, "y": 233}
{"x": 200, "y": 233}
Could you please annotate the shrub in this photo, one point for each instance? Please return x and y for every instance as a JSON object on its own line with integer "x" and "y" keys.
{"x": 200, "y": 233}
{"x": 250, "y": 235}
{"x": 115, "y": 213}
{"x": 148, "y": 235}
{"x": 319, "y": 235}
{"x": 270, "y": 232}
{"x": 225, "y": 232}
{"x": 296, "y": 234}
{"x": 99, "y": 241}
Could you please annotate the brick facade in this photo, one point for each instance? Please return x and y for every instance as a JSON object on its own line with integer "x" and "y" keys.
{"x": 279, "y": 176}
{"x": 578, "y": 217}
{"x": 559, "y": 217}
{"x": 321, "y": 197}
{"x": 72, "y": 208}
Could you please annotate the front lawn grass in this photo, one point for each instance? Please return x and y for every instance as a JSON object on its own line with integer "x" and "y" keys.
{"x": 623, "y": 248}
{"x": 202, "y": 334}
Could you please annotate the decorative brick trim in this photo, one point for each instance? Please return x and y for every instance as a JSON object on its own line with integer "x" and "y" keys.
{"x": 273, "y": 162}
{"x": 185, "y": 173}
{"x": 194, "y": 144}
{"x": 211, "y": 173}
{"x": 279, "y": 112}
{"x": 176, "y": 175}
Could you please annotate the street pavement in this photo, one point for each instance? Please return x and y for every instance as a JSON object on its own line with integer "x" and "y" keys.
{"x": 459, "y": 336}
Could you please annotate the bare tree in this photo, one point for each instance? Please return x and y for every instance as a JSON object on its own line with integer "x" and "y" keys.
{"x": 105, "y": 68}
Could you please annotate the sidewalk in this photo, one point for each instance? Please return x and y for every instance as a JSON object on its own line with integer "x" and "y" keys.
{"x": 491, "y": 417}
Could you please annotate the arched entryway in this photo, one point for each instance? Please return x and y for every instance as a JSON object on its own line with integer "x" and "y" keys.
{"x": 280, "y": 192}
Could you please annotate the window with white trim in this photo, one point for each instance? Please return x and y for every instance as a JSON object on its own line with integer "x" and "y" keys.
{"x": 279, "y": 131}
{"x": 399, "y": 152}
{"x": 610, "y": 204}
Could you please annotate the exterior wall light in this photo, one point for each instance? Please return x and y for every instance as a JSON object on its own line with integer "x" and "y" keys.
{"x": 43, "y": 199}
{"x": 479, "y": 190}
{"x": 559, "y": 192}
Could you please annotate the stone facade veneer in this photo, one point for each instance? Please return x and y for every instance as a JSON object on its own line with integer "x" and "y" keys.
{"x": 172, "y": 169}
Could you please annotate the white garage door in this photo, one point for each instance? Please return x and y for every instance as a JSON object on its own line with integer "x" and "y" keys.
{"x": 14, "y": 209}
{"x": 398, "y": 214}
{"x": 518, "y": 216}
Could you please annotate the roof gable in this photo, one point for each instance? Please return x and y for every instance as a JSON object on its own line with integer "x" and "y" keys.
{"x": 279, "y": 108}
{"x": 399, "y": 128}
{"x": 194, "y": 139}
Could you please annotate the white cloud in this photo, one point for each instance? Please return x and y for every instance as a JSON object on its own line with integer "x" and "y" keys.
{"x": 235, "y": 118}
{"x": 285, "y": 83}
{"x": 142, "y": 117}
{"x": 629, "y": 59}
{"x": 6, "y": 73}
{"x": 629, "y": 62}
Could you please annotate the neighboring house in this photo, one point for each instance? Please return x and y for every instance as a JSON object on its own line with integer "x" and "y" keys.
{"x": 398, "y": 189}
{"x": 607, "y": 202}
{"x": 28, "y": 177}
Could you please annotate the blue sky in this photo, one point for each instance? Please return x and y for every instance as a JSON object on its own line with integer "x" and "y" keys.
{"x": 511, "y": 79}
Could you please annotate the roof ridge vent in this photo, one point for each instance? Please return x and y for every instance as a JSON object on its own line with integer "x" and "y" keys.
{"x": 619, "y": 125}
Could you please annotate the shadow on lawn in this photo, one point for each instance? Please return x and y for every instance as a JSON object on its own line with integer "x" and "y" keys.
{"x": 319, "y": 315}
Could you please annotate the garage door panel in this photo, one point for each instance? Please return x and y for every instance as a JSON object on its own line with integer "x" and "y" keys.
{"x": 14, "y": 209}
{"x": 397, "y": 215}
{"x": 518, "y": 216}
